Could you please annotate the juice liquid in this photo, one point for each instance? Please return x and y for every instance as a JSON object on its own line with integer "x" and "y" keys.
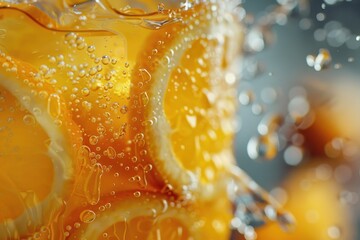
{"x": 117, "y": 121}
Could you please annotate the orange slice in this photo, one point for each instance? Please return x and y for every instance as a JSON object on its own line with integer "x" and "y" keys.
{"x": 37, "y": 139}
{"x": 93, "y": 74}
{"x": 183, "y": 99}
{"x": 149, "y": 216}
{"x": 317, "y": 217}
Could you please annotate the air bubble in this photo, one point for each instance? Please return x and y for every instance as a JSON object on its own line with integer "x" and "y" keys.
{"x": 85, "y": 92}
{"x": 111, "y": 153}
{"x": 91, "y": 49}
{"x": 29, "y": 119}
{"x": 93, "y": 140}
{"x": 137, "y": 194}
{"x": 87, "y": 216}
{"x": 105, "y": 60}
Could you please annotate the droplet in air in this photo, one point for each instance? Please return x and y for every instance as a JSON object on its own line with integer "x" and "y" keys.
{"x": 270, "y": 124}
{"x": 321, "y": 61}
{"x": 263, "y": 147}
{"x": 144, "y": 98}
{"x": 246, "y": 97}
{"x": 293, "y": 155}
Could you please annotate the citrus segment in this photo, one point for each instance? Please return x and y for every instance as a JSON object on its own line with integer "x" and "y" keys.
{"x": 36, "y": 150}
{"x": 149, "y": 216}
{"x": 183, "y": 102}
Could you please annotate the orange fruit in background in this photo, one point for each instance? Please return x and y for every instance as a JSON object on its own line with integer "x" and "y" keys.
{"x": 313, "y": 197}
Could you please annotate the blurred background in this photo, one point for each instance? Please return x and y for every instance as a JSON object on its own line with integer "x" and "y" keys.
{"x": 299, "y": 117}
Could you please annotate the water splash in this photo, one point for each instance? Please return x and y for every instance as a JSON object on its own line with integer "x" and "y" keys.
{"x": 254, "y": 207}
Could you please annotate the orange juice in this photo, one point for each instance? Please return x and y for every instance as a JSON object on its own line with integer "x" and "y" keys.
{"x": 117, "y": 120}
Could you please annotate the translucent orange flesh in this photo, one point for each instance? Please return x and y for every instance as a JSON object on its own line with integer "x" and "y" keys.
{"x": 106, "y": 80}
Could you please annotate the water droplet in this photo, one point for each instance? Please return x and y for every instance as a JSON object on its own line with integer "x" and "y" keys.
{"x": 321, "y": 61}
{"x": 264, "y": 147}
{"x": 293, "y": 155}
{"x": 269, "y": 95}
{"x": 270, "y": 123}
{"x": 298, "y": 107}
{"x": 87, "y": 216}
{"x": 246, "y": 97}
{"x": 334, "y": 232}
{"x": 137, "y": 194}
{"x": 257, "y": 109}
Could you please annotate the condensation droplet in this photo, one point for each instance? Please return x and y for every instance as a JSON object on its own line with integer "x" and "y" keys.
{"x": 321, "y": 61}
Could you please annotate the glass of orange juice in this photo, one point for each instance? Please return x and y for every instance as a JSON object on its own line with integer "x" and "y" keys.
{"x": 117, "y": 121}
